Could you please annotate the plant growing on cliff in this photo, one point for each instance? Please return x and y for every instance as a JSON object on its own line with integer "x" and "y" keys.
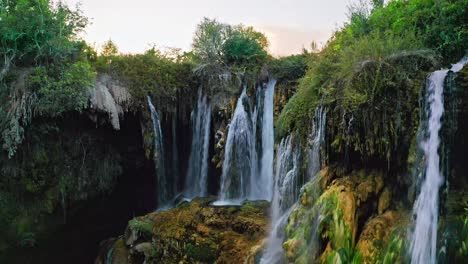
{"x": 44, "y": 70}
{"x": 226, "y": 56}
{"x": 334, "y": 228}
{"x": 163, "y": 75}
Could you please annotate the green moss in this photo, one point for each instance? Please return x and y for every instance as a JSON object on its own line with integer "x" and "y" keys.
{"x": 201, "y": 253}
{"x": 140, "y": 226}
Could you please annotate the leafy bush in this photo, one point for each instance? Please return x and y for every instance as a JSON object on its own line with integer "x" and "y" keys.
{"x": 67, "y": 91}
{"x": 227, "y": 56}
{"x": 43, "y": 35}
{"x": 164, "y": 76}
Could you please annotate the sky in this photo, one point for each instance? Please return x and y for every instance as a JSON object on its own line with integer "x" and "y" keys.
{"x": 136, "y": 25}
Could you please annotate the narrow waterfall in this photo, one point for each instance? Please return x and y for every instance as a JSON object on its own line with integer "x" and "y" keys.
{"x": 316, "y": 157}
{"x": 164, "y": 190}
{"x": 197, "y": 175}
{"x": 175, "y": 155}
{"x": 426, "y": 207}
{"x": 239, "y": 155}
{"x": 287, "y": 185}
{"x": 286, "y": 191}
{"x": 265, "y": 180}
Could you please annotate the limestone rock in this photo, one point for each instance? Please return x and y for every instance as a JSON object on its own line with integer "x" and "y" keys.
{"x": 110, "y": 98}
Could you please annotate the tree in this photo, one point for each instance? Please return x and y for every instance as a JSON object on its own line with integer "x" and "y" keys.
{"x": 40, "y": 40}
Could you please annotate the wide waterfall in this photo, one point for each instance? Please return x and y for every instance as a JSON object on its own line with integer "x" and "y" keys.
{"x": 287, "y": 183}
{"x": 165, "y": 189}
{"x": 244, "y": 176}
{"x": 197, "y": 174}
{"x": 426, "y": 207}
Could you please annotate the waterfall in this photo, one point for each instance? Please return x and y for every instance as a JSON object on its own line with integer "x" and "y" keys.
{"x": 264, "y": 185}
{"x": 316, "y": 139}
{"x": 424, "y": 236}
{"x": 175, "y": 155}
{"x": 287, "y": 183}
{"x": 164, "y": 191}
{"x": 244, "y": 176}
{"x": 197, "y": 174}
{"x": 239, "y": 154}
{"x": 286, "y": 191}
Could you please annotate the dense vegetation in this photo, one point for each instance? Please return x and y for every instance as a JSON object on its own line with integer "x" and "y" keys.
{"x": 371, "y": 71}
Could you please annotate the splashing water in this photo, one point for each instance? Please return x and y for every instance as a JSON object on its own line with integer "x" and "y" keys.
{"x": 197, "y": 174}
{"x": 424, "y": 236}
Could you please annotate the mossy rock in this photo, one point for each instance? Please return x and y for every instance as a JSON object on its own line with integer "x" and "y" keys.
{"x": 335, "y": 214}
{"x": 198, "y": 232}
{"x": 376, "y": 234}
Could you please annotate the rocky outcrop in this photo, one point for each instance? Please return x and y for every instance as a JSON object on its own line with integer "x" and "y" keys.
{"x": 195, "y": 232}
{"x": 322, "y": 225}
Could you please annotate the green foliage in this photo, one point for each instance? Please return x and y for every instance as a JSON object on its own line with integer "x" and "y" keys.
{"x": 200, "y": 253}
{"x": 40, "y": 34}
{"x": 37, "y": 31}
{"x": 333, "y": 228}
{"x": 227, "y": 56}
{"x": 442, "y": 25}
{"x": 141, "y": 227}
{"x": 395, "y": 250}
{"x": 245, "y": 46}
{"x": 370, "y": 73}
{"x": 288, "y": 69}
{"x": 164, "y": 76}
{"x": 298, "y": 112}
{"x": 61, "y": 91}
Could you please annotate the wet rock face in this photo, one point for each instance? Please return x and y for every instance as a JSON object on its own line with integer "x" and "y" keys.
{"x": 194, "y": 232}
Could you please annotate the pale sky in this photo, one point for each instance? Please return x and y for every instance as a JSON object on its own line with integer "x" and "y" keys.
{"x": 134, "y": 25}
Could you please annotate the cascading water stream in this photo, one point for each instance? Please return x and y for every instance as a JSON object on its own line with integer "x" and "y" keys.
{"x": 197, "y": 174}
{"x": 264, "y": 182}
{"x": 287, "y": 185}
{"x": 286, "y": 191}
{"x": 164, "y": 191}
{"x": 424, "y": 236}
{"x": 239, "y": 155}
{"x": 316, "y": 159}
{"x": 244, "y": 177}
